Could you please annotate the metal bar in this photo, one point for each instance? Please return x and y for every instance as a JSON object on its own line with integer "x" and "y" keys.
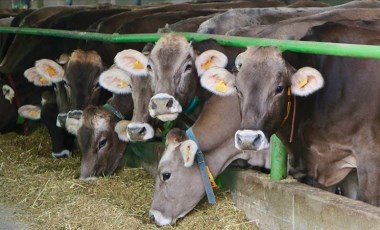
{"x": 326, "y": 48}
{"x": 279, "y": 160}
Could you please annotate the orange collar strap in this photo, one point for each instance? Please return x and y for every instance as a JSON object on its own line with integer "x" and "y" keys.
{"x": 289, "y": 105}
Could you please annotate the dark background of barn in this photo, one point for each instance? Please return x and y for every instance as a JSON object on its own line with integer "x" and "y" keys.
{"x": 6, "y": 4}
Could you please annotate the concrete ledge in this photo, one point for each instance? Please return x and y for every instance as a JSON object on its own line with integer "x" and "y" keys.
{"x": 289, "y": 204}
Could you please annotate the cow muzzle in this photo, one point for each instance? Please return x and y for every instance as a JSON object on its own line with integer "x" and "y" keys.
{"x": 74, "y": 121}
{"x": 157, "y": 217}
{"x": 137, "y": 131}
{"x": 164, "y": 107}
{"x": 61, "y": 120}
{"x": 251, "y": 140}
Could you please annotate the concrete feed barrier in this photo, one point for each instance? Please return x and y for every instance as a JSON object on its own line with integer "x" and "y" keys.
{"x": 289, "y": 204}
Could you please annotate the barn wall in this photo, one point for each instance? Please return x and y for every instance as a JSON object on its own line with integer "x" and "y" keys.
{"x": 291, "y": 205}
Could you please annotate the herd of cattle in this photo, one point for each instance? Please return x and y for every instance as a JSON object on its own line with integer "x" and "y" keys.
{"x": 325, "y": 109}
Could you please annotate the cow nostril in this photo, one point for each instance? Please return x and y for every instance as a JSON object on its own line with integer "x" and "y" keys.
{"x": 239, "y": 141}
{"x": 151, "y": 217}
{"x": 154, "y": 105}
{"x": 256, "y": 140}
{"x": 170, "y": 103}
{"x": 142, "y": 130}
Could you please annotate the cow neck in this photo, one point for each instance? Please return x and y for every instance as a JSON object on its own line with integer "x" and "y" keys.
{"x": 18, "y": 104}
{"x": 288, "y": 108}
{"x": 168, "y": 125}
{"x": 207, "y": 177}
{"x": 114, "y": 111}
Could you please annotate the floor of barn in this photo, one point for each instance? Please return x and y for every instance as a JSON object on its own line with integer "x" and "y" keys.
{"x": 7, "y": 219}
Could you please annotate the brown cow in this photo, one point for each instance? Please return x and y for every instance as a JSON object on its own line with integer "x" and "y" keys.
{"x": 76, "y": 86}
{"x": 174, "y": 65}
{"x": 214, "y": 132}
{"x": 335, "y": 128}
{"x": 139, "y": 129}
{"x": 102, "y": 151}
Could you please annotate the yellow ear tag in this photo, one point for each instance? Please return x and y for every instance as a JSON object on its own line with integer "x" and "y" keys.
{"x": 43, "y": 80}
{"x": 302, "y": 83}
{"x": 122, "y": 84}
{"x": 138, "y": 65}
{"x": 33, "y": 113}
{"x": 51, "y": 71}
{"x": 207, "y": 65}
{"x": 221, "y": 86}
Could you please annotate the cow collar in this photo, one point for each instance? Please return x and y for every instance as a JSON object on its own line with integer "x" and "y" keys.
{"x": 192, "y": 105}
{"x": 168, "y": 125}
{"x": 288, "y": 107}
{"x": 207, "y": 178}
{"x": 114, "y": 111}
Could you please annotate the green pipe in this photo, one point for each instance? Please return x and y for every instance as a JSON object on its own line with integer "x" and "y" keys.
{"x": 279, "y": 159}
{"x": 352, "y": 50}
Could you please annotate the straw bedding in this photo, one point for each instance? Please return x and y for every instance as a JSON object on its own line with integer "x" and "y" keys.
{"x": 47, "y": 193}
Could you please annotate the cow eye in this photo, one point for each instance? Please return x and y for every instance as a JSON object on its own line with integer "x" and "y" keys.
{"x": 188, "y": 67}
{"x": 166, "y": 176}
{"x": 149, "y": 67}
{"x": 279, "y": 89}
{"x": 102, "y": 143}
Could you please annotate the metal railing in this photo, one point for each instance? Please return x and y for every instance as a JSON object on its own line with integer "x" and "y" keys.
{"x": 279, "y": 156}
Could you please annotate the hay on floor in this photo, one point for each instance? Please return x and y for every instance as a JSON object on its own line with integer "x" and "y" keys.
{"x": 49, "y": 195}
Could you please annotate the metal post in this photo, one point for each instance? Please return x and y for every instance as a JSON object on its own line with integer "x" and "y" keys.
{"x": 279, "y": 159}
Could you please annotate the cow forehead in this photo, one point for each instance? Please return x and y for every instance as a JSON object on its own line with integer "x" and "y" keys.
{"x": 170, "y": 49}
{"x": 168, "y": 156}
{"x": 262, "y": 54}
{"x": 91, "y": 57}
{"x": 261, "y": 62}
{"x": 98, "y": 120}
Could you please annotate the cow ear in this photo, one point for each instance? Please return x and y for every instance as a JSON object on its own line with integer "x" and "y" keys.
{"x": 31, "y": 112}
{"x": 37, "y": 79}
{"x": 219, "y": 81}
{"x": 121, "y": 130}
{"x": 63, "y": 59}
{"x": 306, "y": 81}
{"x": 209, "y": 59}
{"x": 74, "y": 121}
{"x": 133, "y": 62}
{"x": 188, "y": 150}
{"x": 116, "y": 81}
{"x": 50, "y": 70}
{"x": 8, "y": 93}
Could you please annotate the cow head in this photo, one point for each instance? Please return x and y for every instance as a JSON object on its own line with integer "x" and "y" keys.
{"x": 80, "y": 78}
{"x": 263, "y": 81}
{"x": 178, "y": 186}
{"x": 139, "y": 129}
{"x": 98, "y": 135}
{"x": 175, "y": 193}
{"x": 82, "y": 73}
{"x": 171, "y": 64}
{"x": 101, "y": 148}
